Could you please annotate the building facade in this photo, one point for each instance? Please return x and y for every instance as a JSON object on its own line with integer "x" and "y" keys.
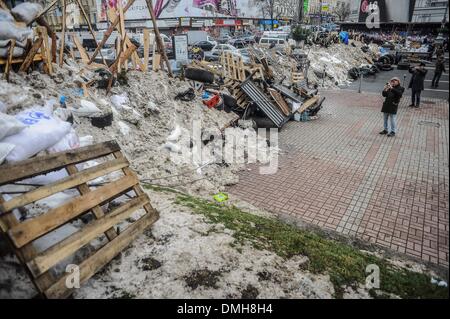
{"x": 74, "y": 16}
{"x": 430, "y": 11}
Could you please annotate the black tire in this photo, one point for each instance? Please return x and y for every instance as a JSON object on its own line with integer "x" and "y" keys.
{"x": 353, "y": 73}
{"x": 403, "y": 66}
{"x": 229, "y": 101}
{"x": 199, "y": 75}
{"x": 387, "y": 67}
{"x": 391, "y": 58}
{"x": 385, "y": 60}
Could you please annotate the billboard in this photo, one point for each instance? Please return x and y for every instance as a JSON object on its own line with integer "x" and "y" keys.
{"x": 389, "y": 10}
{"x": 165, "y": 9}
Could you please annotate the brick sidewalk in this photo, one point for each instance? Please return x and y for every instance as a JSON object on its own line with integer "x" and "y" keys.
{"x": 337, "y": 172}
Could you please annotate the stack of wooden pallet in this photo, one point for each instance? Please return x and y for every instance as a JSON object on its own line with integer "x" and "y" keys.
{"x": 115, "y": 224}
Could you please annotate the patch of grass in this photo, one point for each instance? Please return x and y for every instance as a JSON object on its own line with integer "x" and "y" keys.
{"x": 345, "y": 264}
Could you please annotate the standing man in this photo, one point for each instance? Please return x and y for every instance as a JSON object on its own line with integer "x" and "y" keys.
{"x": 393, "y": 92}
{"x": 440, "y": 68}
{"x": 417, "y": 83}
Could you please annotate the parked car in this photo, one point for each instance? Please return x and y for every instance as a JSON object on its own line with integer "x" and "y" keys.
{"x": 218, "y": 49}
{"x": 269, "y": 42}
{"x": 205, "y": 45}
{"x": 238, "y": 43}
{"x": 223, "y": 39}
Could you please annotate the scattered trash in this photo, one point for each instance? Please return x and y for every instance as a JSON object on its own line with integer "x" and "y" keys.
{"x": 220, "y": 197}
{"x": 186, "y": 96}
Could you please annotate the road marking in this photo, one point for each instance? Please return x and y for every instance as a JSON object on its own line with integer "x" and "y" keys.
{"x": 436, "y": 90}
{"x": 439, "y": 81}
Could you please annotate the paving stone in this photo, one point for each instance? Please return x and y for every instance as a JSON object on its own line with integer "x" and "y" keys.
{"x": 342, "y": 175}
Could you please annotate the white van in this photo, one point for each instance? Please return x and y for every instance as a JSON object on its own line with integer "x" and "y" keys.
{"x": 276, "y": 34}
{"x": 267, "y": 42}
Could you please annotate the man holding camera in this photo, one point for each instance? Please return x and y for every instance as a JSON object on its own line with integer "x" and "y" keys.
{"x": 393, "y": 92}
{"x": 417, "y": 83}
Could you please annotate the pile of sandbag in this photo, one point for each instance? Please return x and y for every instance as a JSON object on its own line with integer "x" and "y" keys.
{"x": 9, "y": 30}
{"x": 34, "y": 130}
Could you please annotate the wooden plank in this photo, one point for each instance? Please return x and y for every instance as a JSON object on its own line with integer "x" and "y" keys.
{"x": 308, "y": 104}
{"x": 108, "y": 32}
{"x": 159, "y": 41}
{"x": 280, "y": 102}
{"x": 63, "y": 35}
{"x": 83, "y": 54}
{"x": 26, "y": 253}
{"x": 97, "y": 210}
{"x": 30, "y": 56}
{"x": 34, "y": 228}
{"x": 47, "y": 259}
{"x": 102, "y": 257}
{"x": 10, "y": 173}
{"x": 137, "y": 188}
{"x": 156, "y": 62}
{"x": 63, "y": 184}
{"x": 37, "y": 57}
{"x": 146, "y": 48}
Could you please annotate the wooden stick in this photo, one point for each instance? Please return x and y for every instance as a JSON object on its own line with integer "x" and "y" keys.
{"x": 90, "y": 27}
{"x": 61, "y": 49}
{"x": 30, "y": 56}
{"x": 4, "y": 6}
{"x": 159, "y": 41}
{"x": 10, "y": 56}
{"x": 146, "y": 48}
{"x": 109, "y": 31}
{"x": 122, "y": 19}
{"x": 54, "y": 45}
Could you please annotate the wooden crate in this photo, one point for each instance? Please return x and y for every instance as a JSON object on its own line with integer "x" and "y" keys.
{"x": 124, "y": 183}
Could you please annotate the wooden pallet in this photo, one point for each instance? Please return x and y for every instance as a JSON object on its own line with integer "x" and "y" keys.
{"x": 40, "y": 265}
{"x": 235, "y": 90}
{"x": 279, "y": 101}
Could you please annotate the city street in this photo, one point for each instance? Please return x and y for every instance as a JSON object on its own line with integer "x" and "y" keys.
{"x": 376, "y": 84}
{"x": 338, "y": 173}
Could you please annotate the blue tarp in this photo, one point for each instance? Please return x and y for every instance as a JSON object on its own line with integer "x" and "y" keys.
{"x": 343, "y": 36}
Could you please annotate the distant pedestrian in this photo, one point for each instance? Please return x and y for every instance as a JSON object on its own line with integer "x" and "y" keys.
{"x": 439, "y": 51}
{"x": 393, "y": 92}
{"x": 440, "y": 68}
{"x": 417, "y": 83}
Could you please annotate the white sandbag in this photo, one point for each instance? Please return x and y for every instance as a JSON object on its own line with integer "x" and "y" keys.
{"x": 175, "y": 135}
{"x": 46, "y": 179}
{"x": 26, "y": 11}
{"x": 9, "y": 125}
{"x": 6, "y": 16}
{"x": 86, "y": 140}
{"x": 17, "y": 52}
{"x": 63, "y": 114}
{"x": 42, "y": 131}
{"x": 124, "y": 129}
{"x": 9, "y": 30}
{"x": 86, "y": 108}
{"x": 5, "y": 149}
{"x": 119, "y": 101}
{"x": 5, "y": 43}
{"x": 69, "y": 142}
